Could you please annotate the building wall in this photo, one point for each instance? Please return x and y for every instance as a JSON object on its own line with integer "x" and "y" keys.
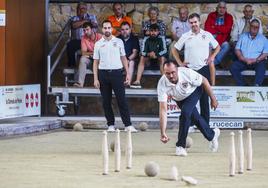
{"x": 2, "y": 47}
{"x": 22, "y": 42}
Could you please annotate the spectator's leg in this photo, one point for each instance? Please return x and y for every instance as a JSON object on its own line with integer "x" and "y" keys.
{"x": 117, "y": 80}
{"x": 84, "y": 61}
{"x": 170, "y": 55}
{"x": 260, "y": 73}
{"x": 204, "y": 101}
{"x": 72, "y": 47}
{"x": 140, "y": 68}
{"x": 106, "y": 93}
{"x": 236, "y": 68}
{"x": 161, "y": 61}
{"x": 225, "y": 47}
{"x": 131, "y": 66}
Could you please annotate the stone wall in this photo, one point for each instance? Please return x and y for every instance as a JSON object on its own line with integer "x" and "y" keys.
{"x": 61, "y": 12}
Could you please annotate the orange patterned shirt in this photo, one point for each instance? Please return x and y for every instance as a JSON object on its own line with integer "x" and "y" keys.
{"x": 117, "y": 22}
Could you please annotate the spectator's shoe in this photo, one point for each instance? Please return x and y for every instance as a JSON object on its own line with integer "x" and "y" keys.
{"x": 111, "y": 128}
{"x": 136, "y": 85}
{"x": 77, "y": 85}
{"x": 214, "y": 143}
{"x": 131, "y": 129}
{"x": 180, "y": 151}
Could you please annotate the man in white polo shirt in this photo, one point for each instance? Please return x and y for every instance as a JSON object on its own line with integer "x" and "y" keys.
{"x": 109, "y": 59}
{"x": 197, "y": 56}
{"x": 185, "y": 86}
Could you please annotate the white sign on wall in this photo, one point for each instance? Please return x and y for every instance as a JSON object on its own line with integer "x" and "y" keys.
{"x": 235, "y": 102}
{"x": 18, "y": 101}
{"x": 241, "y": 102}
{"x": 2, "y": 17}
{"x": 227, "y": 124}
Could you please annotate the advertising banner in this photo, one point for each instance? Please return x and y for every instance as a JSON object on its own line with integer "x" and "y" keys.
{"x": 241, "y": 102}
{"x": 18, "y": 101}
{"x": 234, "y": 102}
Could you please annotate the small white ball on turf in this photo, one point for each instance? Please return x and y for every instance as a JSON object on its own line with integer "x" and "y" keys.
{"x": 151, "y": 169}
{"x": 189, "y": 142}
{"x": 143, "y": 126}
{"x": 78, "y": 127}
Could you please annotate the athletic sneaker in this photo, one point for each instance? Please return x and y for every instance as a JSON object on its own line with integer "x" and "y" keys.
{"x": 191, "y": 129}
{"x": 180, "y": 151}
{"x": 131, "y": 129}
{"x": 214, "y": 143}
{"x": 111, "y": 128}
{"x": 136, "y": 85}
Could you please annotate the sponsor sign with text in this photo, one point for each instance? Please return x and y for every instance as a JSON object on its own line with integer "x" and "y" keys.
{"x": 234, "y": 102}
{"x": 18, "y": 101}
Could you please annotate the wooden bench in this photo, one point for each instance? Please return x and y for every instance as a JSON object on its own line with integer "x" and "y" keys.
{"x": 67, "y": 72}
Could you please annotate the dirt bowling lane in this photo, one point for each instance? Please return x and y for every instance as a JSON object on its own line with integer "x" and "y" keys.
{"x": 73, "y": 159}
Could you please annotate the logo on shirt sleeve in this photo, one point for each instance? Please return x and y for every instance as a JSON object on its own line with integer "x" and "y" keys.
{"x": 184, "y": 84}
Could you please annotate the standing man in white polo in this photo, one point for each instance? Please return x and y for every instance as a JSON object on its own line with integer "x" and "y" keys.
{"x": 109, "y": 59}
{"x": 197, "y": 56}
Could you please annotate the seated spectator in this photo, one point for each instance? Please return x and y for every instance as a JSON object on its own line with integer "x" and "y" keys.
{"x": 219, "y": 24}
{"x": 118, "y": 18}
{"x": 251, "y": 50}
{"x": 242, "y": 24}
{"x": 153, "y": 13}
{"x": 179, "y": 27}
{"x": 77, "y": 31}
{"x": 87, "y": 47}
{"x": 132, "y": 46}
{"x": 154, "y": 48}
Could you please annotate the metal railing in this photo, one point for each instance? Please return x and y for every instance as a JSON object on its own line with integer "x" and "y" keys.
{"x": 54, "y": 64}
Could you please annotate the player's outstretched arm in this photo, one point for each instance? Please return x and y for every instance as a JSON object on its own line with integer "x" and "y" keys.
{"x": 163, "y": 121}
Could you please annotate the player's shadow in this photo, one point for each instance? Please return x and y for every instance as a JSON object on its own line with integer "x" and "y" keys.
{"x": 140, "y": 176}
{"x": 167, "y": 179}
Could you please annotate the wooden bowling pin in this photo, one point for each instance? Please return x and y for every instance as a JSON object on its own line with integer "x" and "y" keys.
{"x": 105, "y": 154}
{"x": 232, "y": 155}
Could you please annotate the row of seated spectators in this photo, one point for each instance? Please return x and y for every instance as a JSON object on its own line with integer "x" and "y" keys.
{"x": 242, "y": 40}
